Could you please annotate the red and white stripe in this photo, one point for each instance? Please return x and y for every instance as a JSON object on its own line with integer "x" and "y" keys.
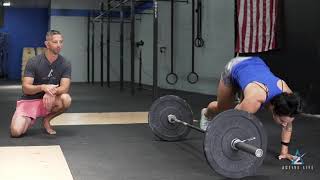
{"x": 256, "y": 25}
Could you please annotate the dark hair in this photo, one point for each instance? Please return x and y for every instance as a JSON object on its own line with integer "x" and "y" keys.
{"x": 51, "y": 33}
{"x": 287, "y": 104}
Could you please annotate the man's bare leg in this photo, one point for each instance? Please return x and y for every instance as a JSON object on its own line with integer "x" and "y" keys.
{"x": 19, "y": 125}
{"x": 46, "y": 122}
{"x": 62, "y": 103}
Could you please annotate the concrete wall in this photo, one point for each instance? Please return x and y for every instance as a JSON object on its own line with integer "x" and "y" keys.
{"x": 218, "y": 33}
{"x": 70, "y": 17}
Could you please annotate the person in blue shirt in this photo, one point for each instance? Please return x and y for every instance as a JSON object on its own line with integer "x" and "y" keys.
{"x": 259, "y": 88}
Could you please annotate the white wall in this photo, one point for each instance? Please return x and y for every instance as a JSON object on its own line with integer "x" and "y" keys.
{"x": 74, "y": 29}
{"x": 75, "y": 48}
{"x": 217, "y": 31}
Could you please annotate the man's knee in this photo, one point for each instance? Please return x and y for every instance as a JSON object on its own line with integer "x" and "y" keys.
{"x": 16, "y": 131}
{"x": 18, "y": 125}
{"x": 66, "y": 100}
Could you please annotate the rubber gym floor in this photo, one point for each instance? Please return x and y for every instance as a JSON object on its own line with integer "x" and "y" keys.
{"x": 132, "y": 152}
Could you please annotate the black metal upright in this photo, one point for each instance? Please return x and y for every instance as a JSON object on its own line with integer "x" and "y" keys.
{"x": 101, "y": 43}
{"x": 193, "y": 31}
{"x": 172, "y": 34}
{"x": 121, "y": 45}
{"x": 140, "y": 68}
{"x": 132, "y": 37}
{"x": 92, "y": 53}
{"x": 155, "y": 49}
{"x": 88, "y": 49}
{"x": 108, "y": 43}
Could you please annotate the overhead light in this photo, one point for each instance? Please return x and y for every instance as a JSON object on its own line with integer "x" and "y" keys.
{"x": 6, "y": 3}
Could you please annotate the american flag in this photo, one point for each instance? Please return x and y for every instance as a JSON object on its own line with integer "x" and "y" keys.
{"x": 256, "y": 25}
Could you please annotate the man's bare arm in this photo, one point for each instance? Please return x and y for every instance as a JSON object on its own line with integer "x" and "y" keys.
{"x": 28, "y": 88}
{"x": 64, "y": 86}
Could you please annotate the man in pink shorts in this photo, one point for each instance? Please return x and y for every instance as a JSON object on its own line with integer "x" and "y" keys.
{"x": 45, "y": 87}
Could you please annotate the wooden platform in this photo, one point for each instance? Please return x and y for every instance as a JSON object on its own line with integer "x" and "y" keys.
{"x": 100, "y": 118}
{"x": 33, "y": 163}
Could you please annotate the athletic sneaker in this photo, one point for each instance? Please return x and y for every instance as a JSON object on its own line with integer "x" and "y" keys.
{"x": 204, "y": 120}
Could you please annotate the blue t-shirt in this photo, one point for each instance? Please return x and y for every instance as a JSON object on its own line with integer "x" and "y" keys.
{"x": 254, "y": 69}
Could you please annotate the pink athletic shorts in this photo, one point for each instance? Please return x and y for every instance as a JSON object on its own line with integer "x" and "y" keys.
{"x": 31, "y": 108}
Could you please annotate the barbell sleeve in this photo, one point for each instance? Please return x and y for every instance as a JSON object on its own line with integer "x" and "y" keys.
{"x": 238, "y": 144}
{"x": 173, "y": 119}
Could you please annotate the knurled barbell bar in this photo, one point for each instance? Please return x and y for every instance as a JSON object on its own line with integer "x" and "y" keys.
{"x": 234, "y": 140}
{"x": 235, "y": 144}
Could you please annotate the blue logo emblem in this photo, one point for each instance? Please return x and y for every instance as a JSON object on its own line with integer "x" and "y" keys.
{"x": 297, "y": 158}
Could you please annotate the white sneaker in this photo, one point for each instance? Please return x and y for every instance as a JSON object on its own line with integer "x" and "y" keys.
{"x": 204, "y": 120}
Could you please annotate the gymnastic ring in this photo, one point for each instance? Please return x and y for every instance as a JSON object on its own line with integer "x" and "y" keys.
{"x": 193, "y": 80}
{"x": 175, "y": 78}
{"x": 199, "y": 42}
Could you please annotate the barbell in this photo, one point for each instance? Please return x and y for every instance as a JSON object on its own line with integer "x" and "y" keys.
{"x": 234, "y": 142}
